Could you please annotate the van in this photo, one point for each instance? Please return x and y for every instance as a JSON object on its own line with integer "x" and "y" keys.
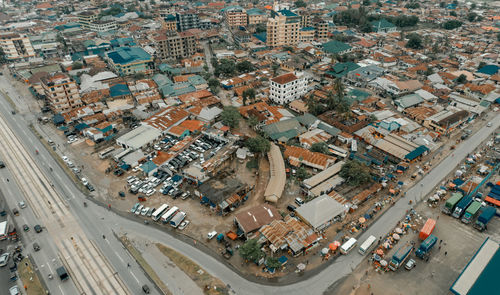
{"x": 348, "y": 246}
{"x": 211, "y": 234}
{"x": 367, "y": 245}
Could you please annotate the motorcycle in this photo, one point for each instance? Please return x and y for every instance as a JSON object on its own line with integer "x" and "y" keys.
{"x": 50, "y": 276}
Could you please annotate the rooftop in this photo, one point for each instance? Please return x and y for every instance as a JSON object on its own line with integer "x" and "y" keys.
{"x": 128, "y": 55}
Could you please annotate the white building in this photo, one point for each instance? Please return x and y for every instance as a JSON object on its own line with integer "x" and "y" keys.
{"x": 16, "y": 46}
{"x": 287, "y": 88}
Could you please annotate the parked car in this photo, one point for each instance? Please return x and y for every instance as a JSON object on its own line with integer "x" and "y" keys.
{"x": 299, "y": 201}
{"x": 134, "y": 208}
{"x": 410, "y": 264}
{"x": 211, "y": 234}
{"x": 14, "y": 290}
{"x": 15, "y": 211}
{"x": 26, "y": 227}
{"x": 38, "y": 228}
{"x": 185, "y": 195}
{"x": 183, "y": 225}
{"x": 144, "y": 211}
{"x": 2, "y": 164}
{"x": 36, "y": 247}
{"x": 139, "y": 209}
{"x": 4, "y": 259}
{"x": 22, "y": 205}
{"x": 90, "y": 187}
{"x": 291, "y": 208}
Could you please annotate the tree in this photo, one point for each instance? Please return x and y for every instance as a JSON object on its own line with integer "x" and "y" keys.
{"x": 244, "y": 66}
{"x": 372, "y": 118}
{"x": 258, "y": 144}
{"x": 472, "y": 17}
{"x": 314, "y": 107}
{"x": 260, "y": 28}
{"x": 226, "y": 67}
{"x": 366, "y": 2}
{"x": 275, "y": 67}
{"x": 77, "y": 65}
{"x": 461, "y": 79}
{"x": 231, "y": 116}
{"x": 253, "y": 121}
{"x": 414, "y": 41}
{"x": 452, "y": 24}
{"x": 302, "y": 173}
{"x": 214, "y": 85}
{"x": 355, "y": 173}
{"x": 251, "y": 251}
{"x": 300, "y": 3}
{"x": 412, "y": 5}
{"x": 473, "y": 6}
{"x": 248, "y": 94}
{"x": 273, "y": 262}
{"x": 319, "y": 147}
{"x": 453, "y": 13}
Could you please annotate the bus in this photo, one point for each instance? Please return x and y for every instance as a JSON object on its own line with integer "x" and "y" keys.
{"x": 177, "y": 219}
{"x": 354, "y": 146}
{"x": 158, "y": 212}
{"x": 348, "y": 246}
{"x": 367, "y": 245}
{"x": 170, "y": 213}
{"x": 3, "y": 230}
{"x": 105, "y": 153}
{"x": 337, "y": 151}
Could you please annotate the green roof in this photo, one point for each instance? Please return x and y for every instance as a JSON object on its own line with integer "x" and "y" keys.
{"x": 381, "y": 24}
{"x": 127, "y": 55}
{"x": 284, "y": 129}
{"x": 341, "y": 69}
{"x": 256, "y": 11}
{"x": 335, "y": 47}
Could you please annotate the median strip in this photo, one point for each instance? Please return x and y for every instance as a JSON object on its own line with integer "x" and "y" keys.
{"x": 29, "y": 278}
{"x": 208, "y": 283}
{"x": 9, "y": 100}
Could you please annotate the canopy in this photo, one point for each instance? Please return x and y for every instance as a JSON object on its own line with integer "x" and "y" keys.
{"x": 324, "y": 251}
{"x": 380, "y": 252}
{"x": 383, "y": 262}
{"x": 398, "y": 230}
{"x": 301, "y": 266}
{"x": 386, "y": 245}
{"x": 396, "y": 237}
{"x": 362, "y": 220}
{"x": 333, "y": 247}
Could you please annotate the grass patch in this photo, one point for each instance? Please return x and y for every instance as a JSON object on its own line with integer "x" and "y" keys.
{"x": 30, "y": 278}
{"x": 9, "y": 100}
{"x": 209, "y": 284}
{"x": 144, "y": 265}
{"x": 253, "y": 164}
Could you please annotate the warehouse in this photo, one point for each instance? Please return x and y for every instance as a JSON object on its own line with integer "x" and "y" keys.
{"x": 321, "y": 212}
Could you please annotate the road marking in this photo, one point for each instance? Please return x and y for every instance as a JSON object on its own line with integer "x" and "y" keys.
{"x": 119, "y": 257}
{"x": 62, "y": 292}
{"x": 135, "y": 277}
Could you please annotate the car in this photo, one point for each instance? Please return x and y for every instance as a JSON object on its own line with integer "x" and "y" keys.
{"x": 2, "y": 164}
{"x": 50, "y": 142}
{"x": 183, "y": 224}
{"x": 185, "y": 195}
{"x": 76, "y": 170}
{"x": 139, "y": 209}
{"x": 211, "y": 234}
{"x": 134, "y": 208}
{"x": 70, "y": 164}
{"x": 410, "y": 264}
{"x": 26, "y": 227}
{"x": 4, "y": 259}
{"x": 291, "y": 208}
{"x": 14, "y": 290}
{"x": 22, "y": 205}
{"x": 85, "y": 181}
{"x": 36, "y": 247}
{"x": 145, "y": 289}
{"x": 150, "y": 192}
{"x": 15, "y": 211}
{"x": 299, "y": 201}
{"x": 65, "y": 159}
{"x": 135, "y": 169}
{"x": 90, "y": 187}
{"x": 489, "y": 124}
{"x": 38, "y": 228}
{"x": 150, "y": 212}
{"x": 144, "y": 211}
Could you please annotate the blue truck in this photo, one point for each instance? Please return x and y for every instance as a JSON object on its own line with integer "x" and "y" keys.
{"x": 462, "y": 206}
{"x": 484, "y": 218}
{"x": 400, "y": 256}
{"x": 426, "y": 246}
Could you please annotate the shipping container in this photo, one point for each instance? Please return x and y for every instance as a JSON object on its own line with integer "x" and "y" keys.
{"x": 427, "y": 229}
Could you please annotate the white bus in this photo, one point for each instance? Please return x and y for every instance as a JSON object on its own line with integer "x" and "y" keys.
{"x": 3, "y": 230}
{"x": 337, "y": 151}
{"x": 367, "y": 245}
{"x": 105, "y": 153}
{"x": 347, "y": 246}
{"x": 158, "y": 212}
{"x": 177, "y": 219}
{"x": 170, "y": 213}
{"x": 354, "y": 146}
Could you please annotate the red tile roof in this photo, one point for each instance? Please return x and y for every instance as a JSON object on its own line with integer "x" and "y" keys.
{"x": 286, "y": 78}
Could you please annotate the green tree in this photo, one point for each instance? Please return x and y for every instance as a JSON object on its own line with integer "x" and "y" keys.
{"x": 231, "y": 116}
{"x": 273, "y": 262}
{"x": 77, "y": 65}
{"x": 300, "y": 3}
{"x": 461, "y": 79}
{"x": 260, "y": 28}
{"x": 253, "y": 121}
{"x": 258, "y": 144}
{"x": 481, "y": 65}
{"x": 355, "y": 173}
{"x": 248, "y": 94}
{"x": 213, "y": 84}
{"x": 366, "y": 2}
{"x": 138, "y": 76}
{"x": 498, "y": 36}
{"x": 472, "y": 17}
{"x": 275, "y": 67}
{"x": 319, "y": 147}
{"x": 244, "y": 66}
{"x": 225, "y": 67}
{"x": 414, "y": 41}
{"x": 413, "y": 5}
{"x": 453, "y": 13}
{"x": 302, "y": 173}
{"x": 372, "y": 118}
{"x": 452, "y": 24}
{"x": 314, "y": 107}
{"x": 251, "y": 251}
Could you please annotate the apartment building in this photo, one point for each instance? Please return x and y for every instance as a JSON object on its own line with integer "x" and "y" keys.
{"x": 176, "y": 45}
{"x": 187, "y": 20}
{"x": 169, "y": 22}
{"x": 283, "y": 28}
{"x": 16, "y": 46}
{"x": 130, "y": 60}
{"x": 287, "y": 88}
{"x": 321, "y": 29}
{"x": 61, "y": 92}
{"x": 256, "y": 16}
{"x": 103, "y": 26}
{"x": 85, "y": 18}
{"x": 235, "y": 16}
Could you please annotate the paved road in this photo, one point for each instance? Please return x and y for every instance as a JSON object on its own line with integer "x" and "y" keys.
{"x": 97, "y": 221}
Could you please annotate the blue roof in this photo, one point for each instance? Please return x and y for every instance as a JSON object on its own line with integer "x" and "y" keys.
{"x": 122, "y": 41}
{"x": 148, "y": 166}
{"x": 287, "y": 12}
{"x": 307, "y": 29}
{"x": 489, "y": 70}
{"x": 118, "y": 90}
{"x": 81, "y": 126}
{"x": 126, "y": 55}
{"x": 416, "y": 153}
{"x": 261, "y": 36}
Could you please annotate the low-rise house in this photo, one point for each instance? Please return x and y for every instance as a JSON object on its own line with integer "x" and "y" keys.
{"x": 251, "y": 220}
{"x": 297, "y": 156}
{"x": 321, "y": 212}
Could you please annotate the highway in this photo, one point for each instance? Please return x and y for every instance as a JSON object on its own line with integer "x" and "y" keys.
{"x": 96, "y": 221}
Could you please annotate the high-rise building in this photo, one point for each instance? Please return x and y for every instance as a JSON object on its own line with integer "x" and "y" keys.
{"x": 236, "y": 16}
{"x": 61, "y": 92}
{"x": 16, "y": 46}
{"x": 283, "y": 28}
{"x": 187, "y": 20}
{"x": 286, "y": 88}
{"x": 176, "y": 45}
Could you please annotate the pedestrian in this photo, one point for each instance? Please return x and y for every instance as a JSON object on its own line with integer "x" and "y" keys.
{"x": 445, "y": 253}
{"x": 440, "y": 241}
{"x": 439, "y": 247}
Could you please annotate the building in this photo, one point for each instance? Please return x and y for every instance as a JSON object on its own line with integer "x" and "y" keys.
{"x": 287, "y": 88}
{"x": 16, "y": 46}
{"x": 235, "y": 16}
{"x": 321, "y": 212}
{"x": 61, "y": 92}
{"x": 187, "y": 20}
{"x": 321, "y": 29}
{"x": 336, "y": 47}
{"x": 256, "y": 16}
{"x": 103, "y": 26}
{"x": 85, "y": 18}
{"x": 251, "y": 220}
{"x": 383, "y": 26}
{"x": 283, "y": 28}
{"x": 169, "y": 22}
{"x": 176, "y": 45}
{"x": 130, "y": 60}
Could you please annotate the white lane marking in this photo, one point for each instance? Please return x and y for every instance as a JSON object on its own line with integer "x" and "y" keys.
{"x": 119, "y": 257}
{"x": 62, "y": 292}
{"x": 135, "y": 277}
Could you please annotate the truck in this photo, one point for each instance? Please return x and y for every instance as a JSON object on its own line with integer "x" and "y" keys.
{"x": 451, "y": 203}
{"x": 427, "y": 229}
{"x": 400, "y": 256}
{"x": 484, "y": 218}
{"x": 471, "y": 212}
{"x": 177, "y": 219}
{"x": 425, "y": 247}
{"x": 462, "y": 206}
{"x": 62, "y": 273}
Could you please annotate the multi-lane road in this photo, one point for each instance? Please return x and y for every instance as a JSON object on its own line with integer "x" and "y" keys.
{"x": 95, "y": 221}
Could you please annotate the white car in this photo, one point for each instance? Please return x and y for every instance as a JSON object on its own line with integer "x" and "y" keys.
{"x": 135, "y": 169}
{"x": 150, "y": 192}
{"x": 85, "y": 181}
{"x": 65, "y": 159}
{"x": 211, "y": 234}
{"x": 144, "y": 211}
{"x": 14, "y": 290}
{"x": 4, "y": 259}
{"x": 183, "y": 225}
{"x": 139, "y": 209}
{"x": 22, "y": 205}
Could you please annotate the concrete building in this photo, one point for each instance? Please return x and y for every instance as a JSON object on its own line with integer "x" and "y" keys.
{"x": 235, "y": 16}
{"x": 187, "y": 20}
{"x": 283, "y": 28}
{"x": 85, "y": 18}
{"x": 16, "y": 46}
{"x": 130, "y": 60}
{"x": 287, "y": 88}
{"x": 321, "y": 29}
{"x": 256, "y": 16}
{"x": 169, "y": 22}
{"x": 61, "y": 92}
{"x": 176, "y": 45}
{"x": 103, "y": 26}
